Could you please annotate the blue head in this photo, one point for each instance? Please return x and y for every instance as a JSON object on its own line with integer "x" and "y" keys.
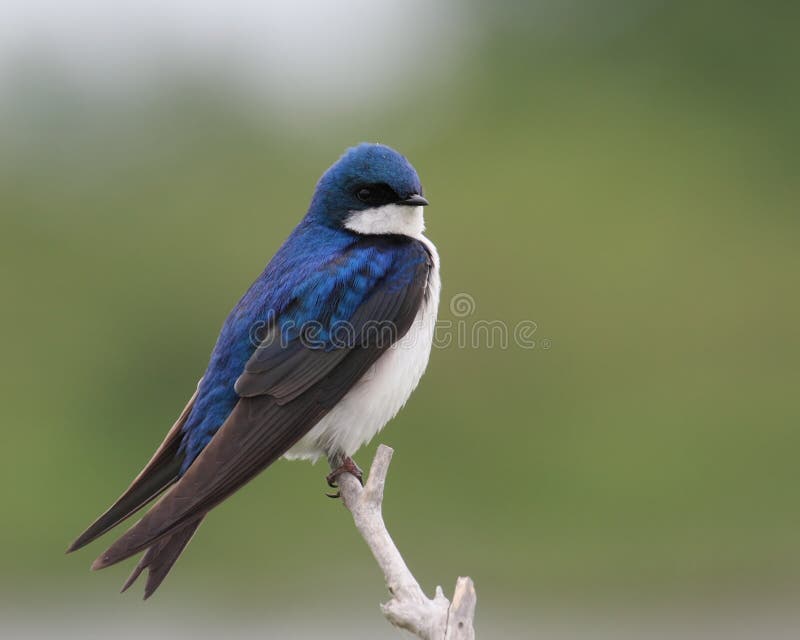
{"x": 371, "y": 189}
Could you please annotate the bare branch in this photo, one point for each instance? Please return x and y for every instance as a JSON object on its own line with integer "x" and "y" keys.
{"x": 409, "y": 608}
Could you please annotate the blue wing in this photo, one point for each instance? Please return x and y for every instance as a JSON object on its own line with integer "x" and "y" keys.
{"x": 318, "y": 282}
{"x": 288, "y": 385}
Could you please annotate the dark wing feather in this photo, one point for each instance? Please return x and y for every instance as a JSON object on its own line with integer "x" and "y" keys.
{"x": 158, "y": 474}
{"x": 256, "y": 433}
{"x": 261, "y": 428}
{"x": 286, "y": 371}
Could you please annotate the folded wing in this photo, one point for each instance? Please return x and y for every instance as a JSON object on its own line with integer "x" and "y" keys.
{"x": 287, "y": 389}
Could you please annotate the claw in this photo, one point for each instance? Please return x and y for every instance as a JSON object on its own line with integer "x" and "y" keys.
{"x": 347, "y": 466}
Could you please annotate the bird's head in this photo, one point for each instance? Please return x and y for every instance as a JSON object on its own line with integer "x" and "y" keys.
{"x": 371, "y": 190}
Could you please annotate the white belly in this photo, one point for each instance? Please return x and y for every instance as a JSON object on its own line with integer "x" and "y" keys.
{"x": 382, "y": 391}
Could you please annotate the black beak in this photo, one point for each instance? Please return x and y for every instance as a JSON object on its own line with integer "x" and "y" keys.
{"x": 415, "y": 201}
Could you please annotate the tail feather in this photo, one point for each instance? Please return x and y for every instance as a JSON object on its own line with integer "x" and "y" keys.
{"x": 160, "y": 557}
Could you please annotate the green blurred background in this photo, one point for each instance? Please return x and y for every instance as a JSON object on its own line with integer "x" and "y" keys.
{"x": 623, "y": 175}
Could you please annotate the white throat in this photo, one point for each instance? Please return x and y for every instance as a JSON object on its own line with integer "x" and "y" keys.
{"x": 389, "y": 219}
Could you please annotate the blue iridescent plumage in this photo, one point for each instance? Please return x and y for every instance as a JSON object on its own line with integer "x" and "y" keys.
{"x": 321, "y": 274}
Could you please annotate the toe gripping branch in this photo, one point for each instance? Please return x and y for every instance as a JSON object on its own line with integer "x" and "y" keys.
{"x": 347, "y": 466}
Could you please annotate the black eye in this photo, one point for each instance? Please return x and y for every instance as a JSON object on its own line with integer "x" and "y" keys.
{"x": 376, "y": 194}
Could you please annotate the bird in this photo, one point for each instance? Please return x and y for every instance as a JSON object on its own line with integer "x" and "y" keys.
{"x": 322, "y": 350}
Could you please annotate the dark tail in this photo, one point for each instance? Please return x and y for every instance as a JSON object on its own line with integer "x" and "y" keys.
{"x": 159, "y": 558}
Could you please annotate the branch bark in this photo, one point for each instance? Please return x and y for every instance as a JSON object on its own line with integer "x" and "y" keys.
{"x": 409, "y": 608}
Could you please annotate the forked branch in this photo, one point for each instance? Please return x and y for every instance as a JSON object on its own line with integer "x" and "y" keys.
{"x": 409, "y": 608}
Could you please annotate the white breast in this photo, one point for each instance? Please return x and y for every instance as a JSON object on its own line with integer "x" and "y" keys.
{"x": 383, "y": 390}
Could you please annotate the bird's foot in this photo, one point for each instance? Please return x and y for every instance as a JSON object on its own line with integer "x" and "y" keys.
{"x": 347, "y": 466}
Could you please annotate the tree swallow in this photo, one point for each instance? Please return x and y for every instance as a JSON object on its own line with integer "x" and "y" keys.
{"x": 320, "y": 353}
